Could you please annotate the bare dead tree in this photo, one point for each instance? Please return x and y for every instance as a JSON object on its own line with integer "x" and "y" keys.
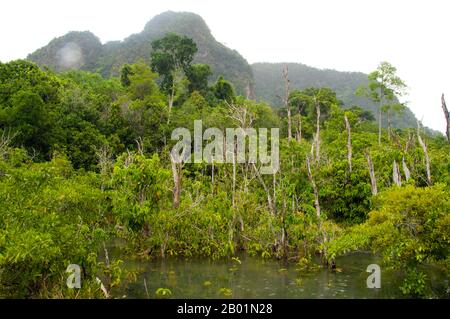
{"x": 409, "y": 142}
{"x": 286, "y": 101}
{"x": 241, "y": 115}
{"x": 406, "y": 170}
{"x": 373, "y": 180}
{"x": 105, "y": 162}
{"x": 388, "y": 116}
{"x": 349, "y": 143}
{"x": 244, "y": 119}
{"x": 140, "y": 145}
{"x": 270, "y": 202}
{"x": 317, "y": 206}
{"x": 425, "y": 151}
{"x": 248, "y": 91}
{"x": 298, "y": 135}
{"x": 129, "y": 159}
{"x": 314, "y": 186}
{"x": 396, "y": 178}
{"x": 177, "y": 170}
{"x": 447, "y": 117}
{"x": 5, "y": 141}
{"x": 317, "y": 129}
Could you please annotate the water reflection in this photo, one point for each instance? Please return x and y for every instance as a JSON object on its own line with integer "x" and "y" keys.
{"x": 256, "y": 278}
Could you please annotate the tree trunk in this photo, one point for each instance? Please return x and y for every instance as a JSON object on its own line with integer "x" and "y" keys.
{"x": 396, "y": 178}
{"x": 234, "y": 176}
{"x": 266, "y": 189}
{"x": 176, "y": 173}
{"x": 388, "y": 115}
{"x": 286, "y": 101}
{"x": 212, "y": 176}
{"x": 373, "y": 181}
{"x": 406, "y": 170}
{"x": 349, "y": 143}
{"x": 299, "y": 128}
{"x": 317, "y": 206}
{"x": 314, "y": 186}
{"x": 379, "y": 127}
{"x": 171, "y": 98}
{"x": 425, "y": 151}
{"x": 317, "y": 131}
{"x": 447, "y": 117}
{"x": 379, "y": 115}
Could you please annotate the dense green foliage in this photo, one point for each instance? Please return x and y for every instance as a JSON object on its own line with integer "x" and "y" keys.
{"x": 269, "y": 85}
{"x": 85, "y": 160}
{"x": 108, "y": 59}
{"x": 263, "y": 81}
{"x": 410, "y": 228}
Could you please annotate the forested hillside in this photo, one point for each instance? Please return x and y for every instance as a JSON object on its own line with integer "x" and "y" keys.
{"x": 263, "y": 81}
{"x": 61, "y": 53}
{"x": 92, "y": 163}
{"x": 269, "y": 86}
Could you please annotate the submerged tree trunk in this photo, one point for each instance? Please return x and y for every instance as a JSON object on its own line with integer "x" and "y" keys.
{"x": 425, "y": 151}
{"x": 349, "y": 143}
{"x": 447, "y": 117}
{"x": 373, "y": 181}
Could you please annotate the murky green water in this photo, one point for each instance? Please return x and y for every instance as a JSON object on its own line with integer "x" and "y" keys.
{"x": 257, "y": 278}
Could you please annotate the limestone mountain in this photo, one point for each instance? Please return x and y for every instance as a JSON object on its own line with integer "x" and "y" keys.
{"x": 263, "y": 81}
{"x": 83, "y": 50}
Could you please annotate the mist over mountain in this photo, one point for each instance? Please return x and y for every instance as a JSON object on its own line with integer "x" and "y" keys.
{"x": 263, "y": 81}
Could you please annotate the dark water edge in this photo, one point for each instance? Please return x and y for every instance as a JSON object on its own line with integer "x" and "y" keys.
{"x": 253, "y": 277}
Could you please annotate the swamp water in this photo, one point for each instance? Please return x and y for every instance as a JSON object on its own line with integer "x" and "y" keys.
{"x": 251, "y": 277}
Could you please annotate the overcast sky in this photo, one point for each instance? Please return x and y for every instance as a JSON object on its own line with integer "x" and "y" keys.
{"x": 346, "y": 35}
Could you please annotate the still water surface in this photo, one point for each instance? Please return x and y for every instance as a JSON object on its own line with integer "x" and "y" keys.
{"x": 252, "y": 277}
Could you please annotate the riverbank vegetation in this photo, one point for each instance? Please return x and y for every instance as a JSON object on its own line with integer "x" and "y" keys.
{"x": 85, "y": 160}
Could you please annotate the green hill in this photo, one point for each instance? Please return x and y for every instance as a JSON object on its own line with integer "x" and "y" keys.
{"x": 269, "y": 85}
{"x": 61, "y": 53}
{"x": 83, "y": 50}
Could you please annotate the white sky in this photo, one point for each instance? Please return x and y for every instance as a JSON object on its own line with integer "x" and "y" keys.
{"x": 346, "y": 35}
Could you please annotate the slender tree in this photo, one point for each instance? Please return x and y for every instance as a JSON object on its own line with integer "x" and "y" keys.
{"x": 447, "y": 117}
{"x": 425, "y": 152}
{"x": 373, "y": 180}
{"x": 349, "y": 143}
{"x": 286, "y": 101}
{"x": 384, "y": 87}
{"x": 171, "y": 58}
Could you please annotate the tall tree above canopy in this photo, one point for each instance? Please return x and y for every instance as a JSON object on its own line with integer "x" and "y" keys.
{"x": 197, "y": 75}
{"x": 172, "y": 56}
{"x": 384, "y": 87}
{"x": 28, "y": 97}
{"x": 224, "y": 90}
